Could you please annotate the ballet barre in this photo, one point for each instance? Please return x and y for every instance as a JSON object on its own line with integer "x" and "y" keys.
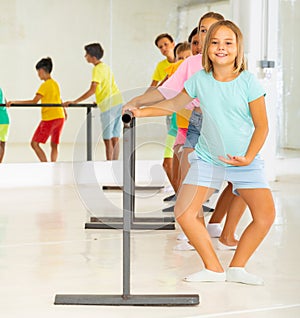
{"x": 88, "y": 120}
{"x": 126, "y": 298}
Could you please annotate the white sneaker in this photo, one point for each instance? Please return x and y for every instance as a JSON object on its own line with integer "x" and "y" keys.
{"x": 214, "y": 229}
{"x": 182, "y": 237}
{"x": 184, "y": 246}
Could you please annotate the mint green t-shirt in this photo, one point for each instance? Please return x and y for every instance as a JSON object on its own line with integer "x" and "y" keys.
{"x": 227, "y": 125}
{"x": 4, "y": 119}
{"x": 173, "y": 126}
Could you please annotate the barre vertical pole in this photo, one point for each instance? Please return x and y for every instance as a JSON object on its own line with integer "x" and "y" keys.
{"x": 127, "y": 299}
{"x": 89, "y": 133}
{"x": 128, "y": 199}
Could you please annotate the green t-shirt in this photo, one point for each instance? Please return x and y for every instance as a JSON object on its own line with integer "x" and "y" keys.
{"x": 4, "y": 119}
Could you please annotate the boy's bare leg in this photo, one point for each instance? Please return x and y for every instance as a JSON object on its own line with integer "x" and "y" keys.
{"x": 2, "y": 150}
{"x": 116, "y": 148}
{"x": 190, "y": 198}
{"x": 108, "y": 149}
{"x": 54, "y": 152}
{"x": 261, "y": 205}
{"x": 39, "y": 151}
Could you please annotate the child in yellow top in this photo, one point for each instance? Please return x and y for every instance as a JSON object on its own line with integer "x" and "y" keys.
{"x": 166, "y": 45}
{"x": 53, "y": 118}
{"x": 108, "y": 97}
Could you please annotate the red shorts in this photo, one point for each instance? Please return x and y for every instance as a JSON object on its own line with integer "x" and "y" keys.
{"x": 49, "y": 128}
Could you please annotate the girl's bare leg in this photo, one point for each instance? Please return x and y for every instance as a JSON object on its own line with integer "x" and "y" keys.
{"x": 184, "y": 164}
{"x": 190, "y": 198}
{"x": 234, "y": 214}
{"x": 176, "y": 168}
{"x": 261, "y": 205}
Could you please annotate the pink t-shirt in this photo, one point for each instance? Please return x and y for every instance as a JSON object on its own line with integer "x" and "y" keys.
{"x": 175, "y": 84}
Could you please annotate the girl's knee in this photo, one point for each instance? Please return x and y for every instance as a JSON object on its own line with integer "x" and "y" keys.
{"x": 184, "y": 215}
{"x": 267, "y": 219}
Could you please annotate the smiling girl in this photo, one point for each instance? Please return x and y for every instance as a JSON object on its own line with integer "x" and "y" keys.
{"x": 234, "y": 130}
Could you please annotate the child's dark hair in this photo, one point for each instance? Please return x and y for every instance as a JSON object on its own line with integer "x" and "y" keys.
{"x": 192, "y": 34}
{"x": 45, "y": 64}
{"x": 95, "y": 50}
{"x": 163, "y": 35}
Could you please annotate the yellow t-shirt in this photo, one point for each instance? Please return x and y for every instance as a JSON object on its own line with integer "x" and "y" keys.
{"x": 50, "y": 95}
{"x": 172, "y": 68}
{"x": 107, "y": 92}
{"x": 160, "y": 70}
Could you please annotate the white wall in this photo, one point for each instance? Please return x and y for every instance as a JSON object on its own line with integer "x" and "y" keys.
{"x": 31, "y": 29}
{"x": 289, "y": 69}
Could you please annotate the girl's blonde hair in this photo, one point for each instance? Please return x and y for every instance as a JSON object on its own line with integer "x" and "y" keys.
{"x": 240, "y": 63}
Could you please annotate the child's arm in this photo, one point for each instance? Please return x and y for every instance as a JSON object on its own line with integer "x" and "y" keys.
{"x": 165, "y": 107}
{"x": 35, "y": 100}
{"x": 260, "y": 121}
{"x": 91, "y": 91}
{"x": 149, "y": 97}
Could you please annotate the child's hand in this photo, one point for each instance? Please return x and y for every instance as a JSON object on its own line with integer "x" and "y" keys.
{"x": 8, "y": 104}
{"x": 235, "y": 160}
{"x": 66, "y": 104}
{"x": 135, "y": 111}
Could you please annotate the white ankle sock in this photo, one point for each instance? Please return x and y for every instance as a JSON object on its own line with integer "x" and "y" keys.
{"x": 224, "y": 247}
{"x": 184, "y": 246}
{"x": 182, "y": 237}
{"x": 206, "y": 276}
{"x": 239, "y": 275}
{"x": 214, "y": 229}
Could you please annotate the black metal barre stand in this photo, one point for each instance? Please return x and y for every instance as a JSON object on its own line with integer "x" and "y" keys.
{"x": 127, "y": 299}
{"x": 88, "y": 120}
{"x": 137, "y": 223}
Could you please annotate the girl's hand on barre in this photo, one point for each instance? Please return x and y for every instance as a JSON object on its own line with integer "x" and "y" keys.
{"x": 128, "y": 106}
{"x": 135, "y": 111}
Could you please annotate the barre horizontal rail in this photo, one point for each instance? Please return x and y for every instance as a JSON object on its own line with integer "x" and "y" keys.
{"x": 51, "y": 105}
{"x": 88, "y": 120}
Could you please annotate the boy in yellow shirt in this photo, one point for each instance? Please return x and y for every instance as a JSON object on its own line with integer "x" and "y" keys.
{"x": 165, "y": 44}
{"x": 108, "y": 97}
{"x": 53, "y": 118}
